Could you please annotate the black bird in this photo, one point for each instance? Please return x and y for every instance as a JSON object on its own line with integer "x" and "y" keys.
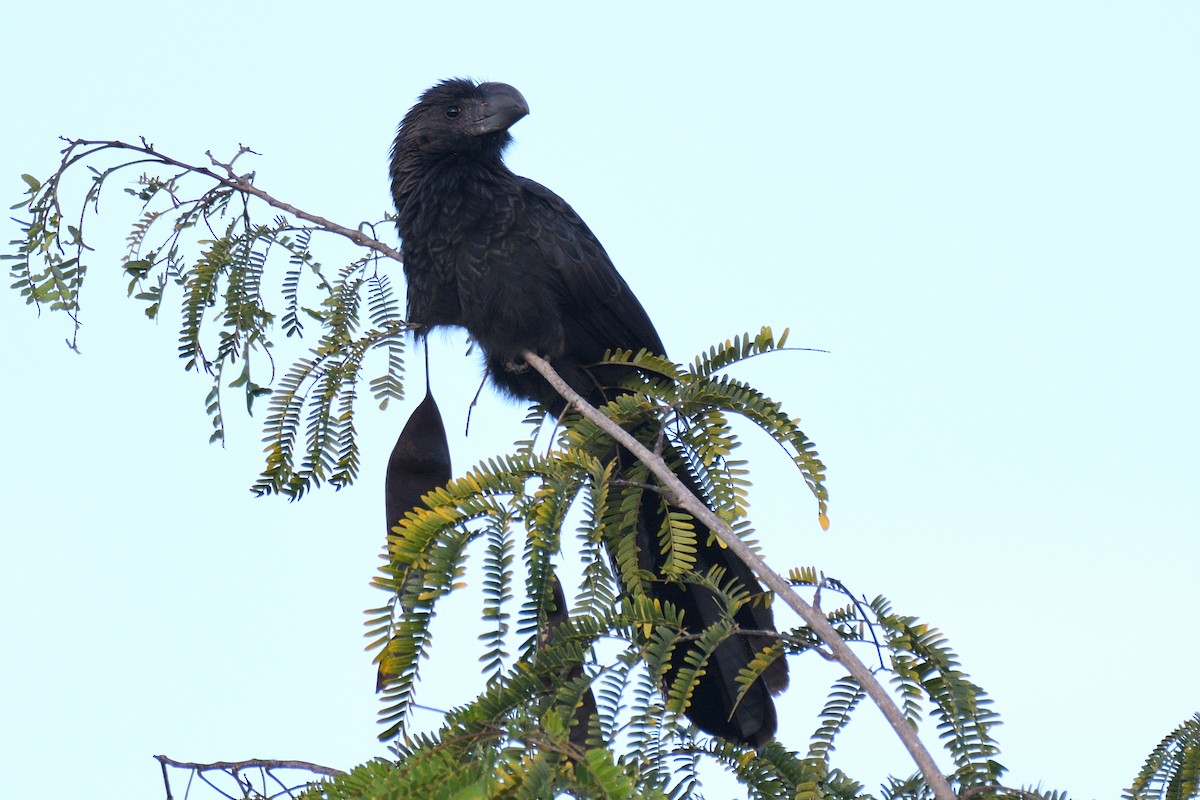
{"x": 507, "y": 259}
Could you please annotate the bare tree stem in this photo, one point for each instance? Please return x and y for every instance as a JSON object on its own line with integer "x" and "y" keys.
{"x": 252, "y": 763}
{"x": 240, "y": 184}
{"x": 679, "y": 495}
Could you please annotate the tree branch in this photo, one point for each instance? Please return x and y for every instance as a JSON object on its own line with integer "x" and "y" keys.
{"x": 679, "y": 495}
{"x": 234, "y": 770}
{"x": 252, "y": 763}
{"x": 239, "y": 183}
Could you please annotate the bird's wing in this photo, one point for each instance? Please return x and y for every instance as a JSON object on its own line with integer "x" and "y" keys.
{"x": 594, "y": 295}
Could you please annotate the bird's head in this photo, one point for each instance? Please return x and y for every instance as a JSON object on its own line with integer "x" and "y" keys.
{"x": 458, "y": 115}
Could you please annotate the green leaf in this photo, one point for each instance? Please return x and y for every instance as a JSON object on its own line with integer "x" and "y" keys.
{"x": 138, "y": 269}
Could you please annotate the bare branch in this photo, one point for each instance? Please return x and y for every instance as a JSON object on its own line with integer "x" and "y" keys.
{"x": 252, "y": 763}
{"x": 239, "y": 183}
{"x": 234, "y": 769}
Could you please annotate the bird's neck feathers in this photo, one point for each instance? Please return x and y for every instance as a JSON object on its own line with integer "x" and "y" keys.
{"x": 422, "y": 176}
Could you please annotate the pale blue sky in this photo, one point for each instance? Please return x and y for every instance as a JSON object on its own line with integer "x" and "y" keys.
{"x": 986, "y": 212}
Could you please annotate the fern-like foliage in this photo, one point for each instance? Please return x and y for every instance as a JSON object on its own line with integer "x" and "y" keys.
{"x": 922, "y": 661}
{"x": 774, "y": 771}
{"x": 1172, "y": 770}
{"x": 532, "y": 674}
{"x": 538, "y": 491}
{"x": 844, "y": 697}
{"x": 639, "y": 718}
{"x": 695, "y": 402}
{"x": 193, "y": 232}
{"x": 464, "y": 762}
{"x": 924, "y": 672}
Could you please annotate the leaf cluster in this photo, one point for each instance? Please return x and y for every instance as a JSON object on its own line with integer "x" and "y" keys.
{"x": 1172, "y": 770}
{"x": 618, "y": 639}
{"x": 193, "y": 235}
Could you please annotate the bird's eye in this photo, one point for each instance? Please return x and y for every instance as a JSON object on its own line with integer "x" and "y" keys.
{"x": 452, "y": 112}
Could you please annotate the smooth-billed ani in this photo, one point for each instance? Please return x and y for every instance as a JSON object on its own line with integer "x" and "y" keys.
{"x": 507, "y": 259}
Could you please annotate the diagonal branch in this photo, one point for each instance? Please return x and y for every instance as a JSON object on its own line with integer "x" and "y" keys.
{"x": 230, "y": 179}
{"x": 679, "y": 495}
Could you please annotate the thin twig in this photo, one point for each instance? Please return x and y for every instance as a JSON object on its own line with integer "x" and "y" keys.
{"x": 249, "y": 763}
{"x": 241, "y": 184}
{"x": 166, "y": 780}
{"x": 679, "y": 495}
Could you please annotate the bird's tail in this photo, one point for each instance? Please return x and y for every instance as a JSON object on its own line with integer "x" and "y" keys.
{"x": 718, "y": 704}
